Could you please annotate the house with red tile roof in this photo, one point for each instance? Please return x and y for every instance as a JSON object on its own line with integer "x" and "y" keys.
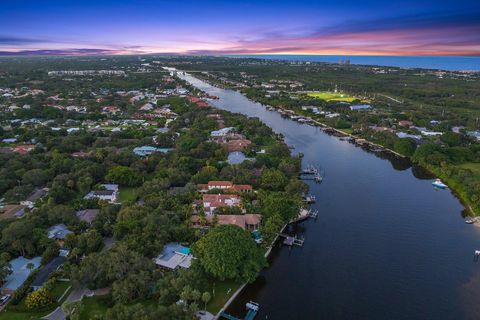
{"x": 249, "y": 222}
{"x": 24, "y": 148}
{"x": 238, "y": 145}
{"x": 214, "y": 201}
{"x": 227, "y": 186}
{"x": 110, "y": 109}
{"x": 405, "y": 123}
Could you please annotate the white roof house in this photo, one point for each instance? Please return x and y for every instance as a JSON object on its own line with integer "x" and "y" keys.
{"x": 174, "y": 256}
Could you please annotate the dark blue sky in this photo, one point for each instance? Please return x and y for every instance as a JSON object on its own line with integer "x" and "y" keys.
{"x": 209, "y": 27}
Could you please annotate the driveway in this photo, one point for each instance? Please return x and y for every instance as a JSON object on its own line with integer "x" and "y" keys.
{"x": 57, "y": 314}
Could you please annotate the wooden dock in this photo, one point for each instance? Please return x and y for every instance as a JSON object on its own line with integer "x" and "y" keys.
{"x": 252, "y": 310}
{"x": 305, "y": 214}
{"x": 291, "y": 241}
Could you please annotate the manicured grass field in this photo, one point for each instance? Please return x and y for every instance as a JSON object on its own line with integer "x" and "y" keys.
{"x": 332, "y": 96}
{"x": 127, "y": 194}
{"x": 223, "y": 291}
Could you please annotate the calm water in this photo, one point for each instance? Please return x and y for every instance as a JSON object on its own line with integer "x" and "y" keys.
{"x": 443, "y": 63}
{"x": 386, "y": 245}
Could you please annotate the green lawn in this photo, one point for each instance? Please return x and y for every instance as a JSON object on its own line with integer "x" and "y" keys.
{"x": 127, "y": 194}
{"x": 93, "y": 306}
{"x": 223, "y": 291}
{"x": 59, "y": 290}
{"x": 332, "y": 96}
{"x": 22, "y": 313}
{"x": 348, "y": 130}
{"x": 475, "y": 167}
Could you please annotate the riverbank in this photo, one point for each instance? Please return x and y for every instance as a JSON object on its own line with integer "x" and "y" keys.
{"x": 456, "y": 187}
{"x": 240, "y": 289}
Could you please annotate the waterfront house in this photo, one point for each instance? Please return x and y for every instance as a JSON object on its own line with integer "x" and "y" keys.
{"x": 45, "y": 273}
{"x": 250, "y": 222}
{"x": 174, "y": 256}
{"x": 407, "y": 135}
{"x": 21, "y": 268}
{"x": 227, "y": 186}
{"x": 214, "y": 201}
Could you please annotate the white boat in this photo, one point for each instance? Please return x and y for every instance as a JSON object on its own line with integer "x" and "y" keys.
{"x": 439, "y": 184}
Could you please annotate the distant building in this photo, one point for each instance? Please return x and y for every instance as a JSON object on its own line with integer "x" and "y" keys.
{"x": 146, "y": 151}
{"x": 431, "y": 133}
{"x": 474, "y": 134}
{"x": 405, "y": 123}
{"x": 24, "y": 148}
{"x": 72, "y": 130}
{"x": 360, "y": 107}
{"x": 222, "y": 132}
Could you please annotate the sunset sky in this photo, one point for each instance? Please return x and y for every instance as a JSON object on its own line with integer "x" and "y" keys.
{"x": 370, "y": 27}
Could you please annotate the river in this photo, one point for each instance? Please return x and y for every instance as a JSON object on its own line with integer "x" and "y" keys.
{"x": 386, "y": 245}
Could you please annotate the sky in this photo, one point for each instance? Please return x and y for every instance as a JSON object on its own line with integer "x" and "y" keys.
{"x": 368, "y": 27}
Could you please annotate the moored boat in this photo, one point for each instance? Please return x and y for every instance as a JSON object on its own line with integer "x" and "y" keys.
{"x": 439, "y": 184}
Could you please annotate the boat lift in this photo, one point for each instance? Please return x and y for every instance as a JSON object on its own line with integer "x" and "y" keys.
{"x": 252, "y": 310}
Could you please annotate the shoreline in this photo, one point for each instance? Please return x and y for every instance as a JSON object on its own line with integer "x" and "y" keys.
{"x": 239, "y": 290}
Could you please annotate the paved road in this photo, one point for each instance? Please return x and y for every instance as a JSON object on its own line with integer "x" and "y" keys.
{"x": 57, "y": 314}
{"x": 76, "y": 295}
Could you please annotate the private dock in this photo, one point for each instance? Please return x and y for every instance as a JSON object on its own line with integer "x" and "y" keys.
{"x": 308, "y": 198}
{"x": 292, "y": 241}
{"x": 305, "y": 214}
{"x": 312, "y": 173}
{"x": 252, "y": 310}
